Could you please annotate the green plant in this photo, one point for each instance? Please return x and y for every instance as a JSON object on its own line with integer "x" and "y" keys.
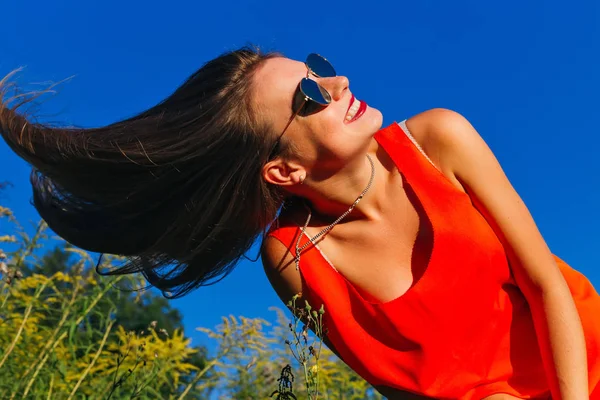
{"x": 67, "y": 333}
{"x": 60, "y": 338}
{"x": 306, "y": 348}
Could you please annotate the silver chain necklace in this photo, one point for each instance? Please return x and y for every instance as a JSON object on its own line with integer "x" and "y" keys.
{"x": 334, "y": 223}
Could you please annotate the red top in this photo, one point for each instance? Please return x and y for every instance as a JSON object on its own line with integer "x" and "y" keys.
{"x": 464, "y": 329}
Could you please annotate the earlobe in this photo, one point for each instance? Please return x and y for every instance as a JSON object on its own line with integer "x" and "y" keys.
{"x": 278, "y": 173}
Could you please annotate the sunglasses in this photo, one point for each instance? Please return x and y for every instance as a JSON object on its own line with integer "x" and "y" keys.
{"x": 310, "y": 97}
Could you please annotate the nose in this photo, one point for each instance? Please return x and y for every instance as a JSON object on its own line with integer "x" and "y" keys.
{"x": 335, "y": 85}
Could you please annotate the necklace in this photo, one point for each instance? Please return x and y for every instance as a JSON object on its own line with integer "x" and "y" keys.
{"x": 334, "y": 223}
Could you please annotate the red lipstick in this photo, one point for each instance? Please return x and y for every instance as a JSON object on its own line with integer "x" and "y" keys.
{"x": 350, "y": 103}
{"x": 361, "y": 110}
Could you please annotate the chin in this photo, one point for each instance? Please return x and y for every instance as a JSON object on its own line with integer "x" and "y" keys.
{"x": 372, "y": 120}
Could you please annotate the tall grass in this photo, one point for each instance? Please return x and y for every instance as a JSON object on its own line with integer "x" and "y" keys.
{"x": 59, "y": 340}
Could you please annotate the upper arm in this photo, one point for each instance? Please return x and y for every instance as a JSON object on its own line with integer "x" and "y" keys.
{"x": 462, "y": 151}
{"x": 280, "y": 269}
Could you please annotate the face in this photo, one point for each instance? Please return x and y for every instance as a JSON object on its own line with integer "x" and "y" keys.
{"x": 323, "y": 139}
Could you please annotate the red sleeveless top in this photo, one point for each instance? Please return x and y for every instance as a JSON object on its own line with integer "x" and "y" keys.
{"x": 464, "y": 329}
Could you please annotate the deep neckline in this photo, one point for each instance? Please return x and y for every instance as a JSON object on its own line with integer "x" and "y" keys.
{"x": 384, "y": 142}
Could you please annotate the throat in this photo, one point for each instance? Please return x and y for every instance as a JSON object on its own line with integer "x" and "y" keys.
{"x": 364, "y": 197}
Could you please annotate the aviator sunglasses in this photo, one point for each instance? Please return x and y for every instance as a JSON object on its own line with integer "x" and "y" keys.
{"x": 310, "y": 97}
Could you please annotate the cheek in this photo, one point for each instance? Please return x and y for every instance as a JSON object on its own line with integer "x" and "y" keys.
{"x": 330, "y": 118}
{"x": 343, "y": 144}
{"x": 327, "y": 136}
{"x": 322, "y": 129}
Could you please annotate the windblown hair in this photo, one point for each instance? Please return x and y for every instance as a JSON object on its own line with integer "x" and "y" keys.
{"x": 177, "y": 188}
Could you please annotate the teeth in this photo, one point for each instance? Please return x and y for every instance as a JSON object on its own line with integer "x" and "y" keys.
{"x": 353, "y": 109}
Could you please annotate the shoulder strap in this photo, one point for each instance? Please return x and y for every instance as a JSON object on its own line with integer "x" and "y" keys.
{"x": 404, "y": 128}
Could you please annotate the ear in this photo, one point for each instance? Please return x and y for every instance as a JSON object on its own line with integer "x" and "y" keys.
{"x": 279, "y": 172}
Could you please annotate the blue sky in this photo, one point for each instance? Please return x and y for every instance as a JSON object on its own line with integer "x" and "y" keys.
{"x": 524, "y": 73}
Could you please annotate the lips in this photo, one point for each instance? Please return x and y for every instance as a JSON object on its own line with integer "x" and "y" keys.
{"x": 361, "y": 110}
{"x": 354, "y": 111}
{"x": 350, "y": 103}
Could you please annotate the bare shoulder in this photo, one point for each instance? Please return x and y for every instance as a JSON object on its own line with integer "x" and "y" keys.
{"x": 278, "y": 263}
{"x": 439, "y": 128}
{"x": 440, "y": 132}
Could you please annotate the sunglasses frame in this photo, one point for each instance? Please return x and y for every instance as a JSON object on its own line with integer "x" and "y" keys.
{"x": 306, "y": 98}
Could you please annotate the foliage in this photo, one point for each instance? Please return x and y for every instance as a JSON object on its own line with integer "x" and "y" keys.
{"x": 67, "y": 333}
{"x": 253, "y": 361}
{"x": 63, "y": 336}
{"x": 300, "y": 348}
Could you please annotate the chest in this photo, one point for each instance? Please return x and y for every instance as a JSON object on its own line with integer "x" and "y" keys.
{"x": 382, "y": 260}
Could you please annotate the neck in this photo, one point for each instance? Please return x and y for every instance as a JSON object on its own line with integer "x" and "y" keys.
{"x": 331, "y": 197}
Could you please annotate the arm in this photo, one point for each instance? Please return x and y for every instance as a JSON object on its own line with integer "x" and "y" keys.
{"x": 464, "y": 153}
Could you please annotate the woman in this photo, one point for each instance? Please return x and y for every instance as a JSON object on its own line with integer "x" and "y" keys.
{"x": 434, "y": 276}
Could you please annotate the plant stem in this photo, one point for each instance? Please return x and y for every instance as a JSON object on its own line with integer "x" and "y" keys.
{"x": 306, "y": 377}
{"x": 198, "y": 376}
{"x": 5, "y": 299}
{"x": 89, "y": 367}
{"x": 50, "y": 341}
{"x": 319, "y": 329}
{"x": 64, "y": 334}
{"x": 50, "y": 389}
{"x": 35, "y": 374}
{"x": 20, "y": 330}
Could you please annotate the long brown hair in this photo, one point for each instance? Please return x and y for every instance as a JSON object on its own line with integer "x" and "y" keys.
{"x": 177, "y": 188}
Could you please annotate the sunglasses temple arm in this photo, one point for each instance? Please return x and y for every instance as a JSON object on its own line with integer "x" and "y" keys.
{"x": 286, "y": 126}
{"x": 291, "y": 119}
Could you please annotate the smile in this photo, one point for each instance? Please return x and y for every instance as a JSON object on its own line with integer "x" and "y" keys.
{"x": 355, "y": 110}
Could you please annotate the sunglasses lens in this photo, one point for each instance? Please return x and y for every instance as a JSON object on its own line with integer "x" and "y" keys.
{"x": 317, "y": 97}
{"x": 320, "y": 66}
{"x": 315, "y": 92}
